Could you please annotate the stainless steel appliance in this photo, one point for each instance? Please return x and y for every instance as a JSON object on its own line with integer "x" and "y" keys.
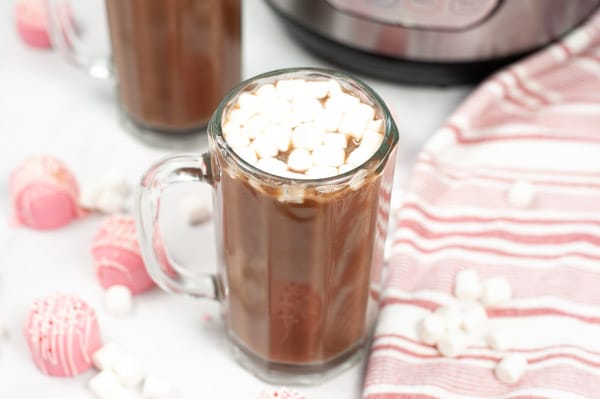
{"x": 429, "y": 41}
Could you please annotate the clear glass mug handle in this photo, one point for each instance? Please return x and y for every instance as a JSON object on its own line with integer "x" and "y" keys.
{"x": 79, "y": 31}
{"x": 164, "y": 271}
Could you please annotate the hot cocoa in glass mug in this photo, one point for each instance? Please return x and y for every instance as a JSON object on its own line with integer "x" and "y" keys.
{"x": 299, "y": 261}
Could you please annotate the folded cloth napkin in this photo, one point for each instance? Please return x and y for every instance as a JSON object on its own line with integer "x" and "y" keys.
{"x": 537, "y": 121}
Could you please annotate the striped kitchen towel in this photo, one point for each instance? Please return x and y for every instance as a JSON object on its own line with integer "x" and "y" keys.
{"x": 537, "y": 121}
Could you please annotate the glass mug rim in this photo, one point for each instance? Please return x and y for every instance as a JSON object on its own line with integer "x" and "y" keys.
{"x": 390, "y": 136}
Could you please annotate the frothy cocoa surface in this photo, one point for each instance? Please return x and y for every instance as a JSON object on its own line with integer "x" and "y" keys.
{"x": 175, "y": 60}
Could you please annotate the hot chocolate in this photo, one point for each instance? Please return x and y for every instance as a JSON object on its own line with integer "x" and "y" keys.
{"x": 174, "y": 60}
{"x": 297, "y": 255}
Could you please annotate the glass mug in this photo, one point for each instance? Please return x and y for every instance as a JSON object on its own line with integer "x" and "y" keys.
{"x": 298, "y": 275}
{"x": 173, "y": 60}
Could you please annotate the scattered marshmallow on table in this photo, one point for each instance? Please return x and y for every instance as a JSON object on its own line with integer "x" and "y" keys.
{"x": 107, "y": 357}
{"x": 467, "y": 286}
{"x": 105, "y": 385}
{"x": 431, "y": 328}
{"x": 129, "y": 370}
{"x": 452, "y": 343}
{"x": 521, "y": 194}
{"x": 473, "y": 318}
{"x": 495, "y": 291}
{"x": 500, "y": 339}
{"x": 511, "y": 368}
{"x": 119, "y": 300}
{"x": 156, "y": 387}
{"x": 196, "y": 209}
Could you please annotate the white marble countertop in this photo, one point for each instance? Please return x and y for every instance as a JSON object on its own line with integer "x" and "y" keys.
{"x": 47, "y": 106}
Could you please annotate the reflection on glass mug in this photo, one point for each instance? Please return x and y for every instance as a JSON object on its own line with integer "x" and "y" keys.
{"x": 300, "y": 253}
{"x": 173, "y": 60}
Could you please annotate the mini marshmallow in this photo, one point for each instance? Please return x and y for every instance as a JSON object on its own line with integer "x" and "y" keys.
{"x": 326, "y": 155}
{"x": 451, "y": 316}
{"x": 247, "y": 154}
{"x": 452, "y": 343}
{"x": 272, "y": 166}
{"x": 114, "y": 180}
{"x": 129, "y": 371}
{"x": 156, "y": 387}
{"x": 264, "y": 147}
{"x": 329, "y": 120}
{"x": 431, "y": 328}
{"x": 107, "y": 357}
{"x": 105, "y": 385}
{"x": 357, "y": 180}
{"x": 317, "y": 88}
{"x": 110, "y": 201}
{"x": 354, "y": 124}
{"x": 495, "y": 291}
{"x": 237, "y": 140}
{"x": 358, "y": 157}
{"x": 89, "y": 193}
{"x": 300, "y": 160}
{"x": 249, "y": 102}
{"x": 266, "y": 91}
{"x": 281, "y": 136}
{"x": 118, "y": 300}
{"x": 255, "y": 126}
{"x": 511, "y": 368}
{"x": 231, "y": 127}
{"x": 275, "y": 110}
{"x": 370, "y": 142}
{"x": 291, "y": 88}
{"x": 335, "y": 139}
{"x": 521, "y": 194}
{"x": 239, "y": 116}
{"x": 474, "y": 317}
{"x": 500, "y": 339}
{"x": 195, "y": 209}
{"x": 320, "y": 172}
{"x": 307, "y": 135}
{"x": 342, "y": 102}
{"x": 375, "y": 126}
{"x": 307, "y": 109}
{"x": 467, "y": 286}
{"x": 334, "y": 87}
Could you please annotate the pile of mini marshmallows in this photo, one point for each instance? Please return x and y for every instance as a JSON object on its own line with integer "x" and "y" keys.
{"x": 303, "y": 129}
{"x": 107, "y": 195}
{"x": 450, "y": 328}
{"x": 121, "y": 374}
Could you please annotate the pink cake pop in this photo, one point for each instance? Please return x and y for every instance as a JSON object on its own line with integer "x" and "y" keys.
{"x": 117, "y": 256}
{"x": 62, "y": 334}
{"x": 281, "y": 393}
{"x": 32, "y": 22}
{"x": 44, "y": 193}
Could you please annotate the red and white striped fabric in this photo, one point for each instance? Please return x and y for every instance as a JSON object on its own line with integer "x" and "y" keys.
{"x": 538, "y": 121}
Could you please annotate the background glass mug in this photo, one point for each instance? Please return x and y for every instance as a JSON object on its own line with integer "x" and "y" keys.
{"x": 298, "y": 276}
{"x": 174, "y": 60}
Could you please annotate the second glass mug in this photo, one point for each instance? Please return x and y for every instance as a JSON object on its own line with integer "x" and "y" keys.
{"x": 299, "y": 261}
{"x": 173, "y": 60}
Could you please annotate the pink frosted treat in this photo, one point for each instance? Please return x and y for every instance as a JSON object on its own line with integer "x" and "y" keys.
{"x": 44, "y": 193}
{"x": 32, "y": 22}
{"x": 281, "y": 393}
{"x": 62, "y": 334}
{"x": 117, "y": 256}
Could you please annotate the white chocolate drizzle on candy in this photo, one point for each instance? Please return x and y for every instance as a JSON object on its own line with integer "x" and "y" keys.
{"x": 303, "y": 129}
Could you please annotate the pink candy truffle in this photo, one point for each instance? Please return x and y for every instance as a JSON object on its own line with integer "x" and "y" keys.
{"x": 44, "y": 193}
{"x": 281, "y": 393}
{"x": 62, "y": 334}
{"x": 31, "y": 16}
{"x": 117, "y": 256}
